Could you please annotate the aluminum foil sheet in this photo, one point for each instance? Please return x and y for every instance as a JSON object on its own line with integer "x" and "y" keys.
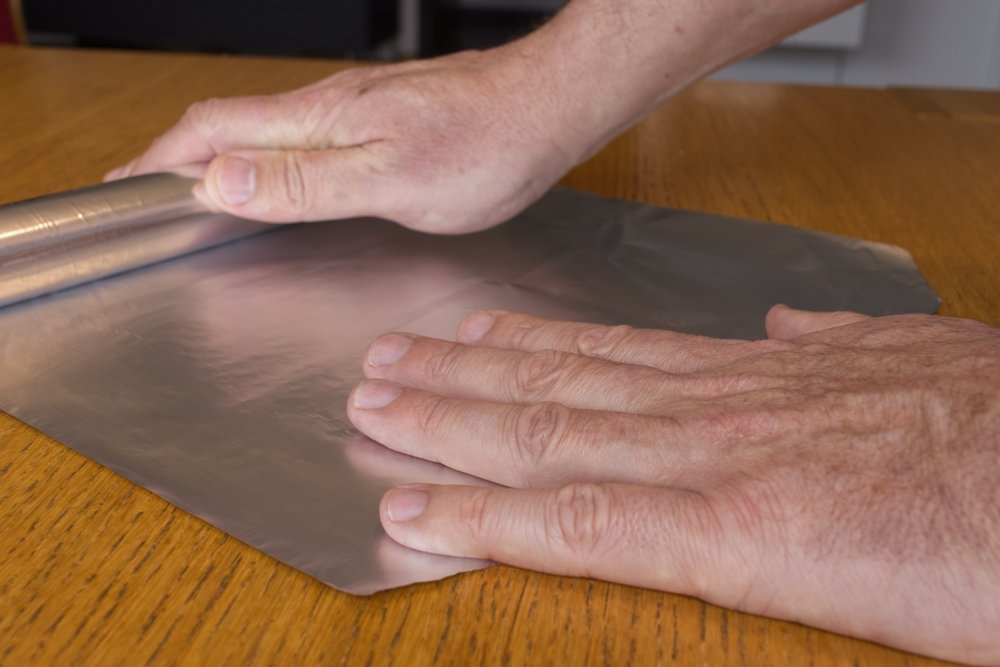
{"x": 219, "y": 380}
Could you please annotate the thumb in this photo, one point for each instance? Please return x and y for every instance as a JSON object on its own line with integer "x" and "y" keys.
{"x": 644, "y": 536}
{"x": 784, "y": 323}
{"x": 296, "y": 185}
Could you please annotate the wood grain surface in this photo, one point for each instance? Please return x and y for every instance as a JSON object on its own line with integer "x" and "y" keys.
{"x": 97, "y": 571}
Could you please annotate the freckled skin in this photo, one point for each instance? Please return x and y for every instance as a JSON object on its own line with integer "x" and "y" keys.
{"x": 460, "y": 143}
{"x": 842, "y": 473}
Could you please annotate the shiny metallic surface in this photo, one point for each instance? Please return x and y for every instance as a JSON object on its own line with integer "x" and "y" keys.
{"x": 219, "y": 380}
{"x": 52, "y": 243}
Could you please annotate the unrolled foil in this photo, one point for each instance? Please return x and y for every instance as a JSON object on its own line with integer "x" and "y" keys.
{"x": 219, "y": 380}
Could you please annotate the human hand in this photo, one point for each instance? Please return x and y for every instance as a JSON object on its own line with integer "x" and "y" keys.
{"x": 460, "y": 143}
{"x": 448, "y": 145}
{"x": 842, "y": 473}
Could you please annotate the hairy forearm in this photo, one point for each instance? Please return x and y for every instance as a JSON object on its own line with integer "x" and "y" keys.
{"x": 607, "y": 63}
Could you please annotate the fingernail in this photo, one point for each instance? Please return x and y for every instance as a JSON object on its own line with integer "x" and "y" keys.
{"x": 236, "y": 180}
{"x": 375, "y": 394}
{"x": 406, "y": 503}
{"x": 475, "y": 326}
{"x": 388, "y": 349}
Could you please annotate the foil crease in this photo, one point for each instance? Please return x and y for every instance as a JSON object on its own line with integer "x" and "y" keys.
{"x": 219, "y": 380}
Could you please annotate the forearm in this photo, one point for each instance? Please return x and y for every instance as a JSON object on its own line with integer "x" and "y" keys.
{"x": 462, "y": 142}
{"x": 607, "y": 63}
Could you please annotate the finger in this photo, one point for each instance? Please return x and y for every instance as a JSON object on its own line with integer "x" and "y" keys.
{"x": 195, "y": 171}
{"x": 293, "y": 186}
{"x": 515, "y": 376}
{"x": 217, "y": 126}
{"x": 540, "y": 445}
{"x": 784, "y": 323}
{"x": 665, "y": 350}
{"x": 372, "y": 459}
{"x": 119, "y": 172}
{"x": 664, "y": 539}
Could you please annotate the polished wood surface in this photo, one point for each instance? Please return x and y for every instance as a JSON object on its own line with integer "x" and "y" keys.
{"x": 965, "y": 105}
{"x": 94, "y": 570}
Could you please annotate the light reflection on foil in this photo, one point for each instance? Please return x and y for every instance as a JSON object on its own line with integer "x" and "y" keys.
{"x": 52, "y": 243}
{"x": 219, "y": 380}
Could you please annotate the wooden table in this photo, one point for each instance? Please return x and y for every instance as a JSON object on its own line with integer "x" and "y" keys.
{"x": 94, "y": 570}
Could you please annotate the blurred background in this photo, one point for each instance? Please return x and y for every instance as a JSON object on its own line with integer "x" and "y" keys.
{"x": 941, "y": 43}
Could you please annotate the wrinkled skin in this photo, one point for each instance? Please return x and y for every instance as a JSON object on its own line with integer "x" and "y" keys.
{"x": 437, "y": 145}
{"x": 459, "y": 143}
{"x": 842, "y": 473}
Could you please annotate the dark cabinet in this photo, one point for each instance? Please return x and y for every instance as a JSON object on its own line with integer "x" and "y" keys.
{"x": 295, "y": 27}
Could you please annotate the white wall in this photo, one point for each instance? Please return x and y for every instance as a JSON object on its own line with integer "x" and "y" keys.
{"x": 943, "y": 43}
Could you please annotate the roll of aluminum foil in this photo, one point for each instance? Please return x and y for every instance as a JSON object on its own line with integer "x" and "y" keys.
{"x": 219, "y": 380}
{"x": 65, "y": 240}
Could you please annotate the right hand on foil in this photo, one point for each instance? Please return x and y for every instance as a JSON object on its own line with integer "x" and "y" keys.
{"x": 449, "y": 145}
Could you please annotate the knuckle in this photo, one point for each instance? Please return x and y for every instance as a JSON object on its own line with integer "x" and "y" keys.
{"x": 434, "y": 415}
{"x": 474, "y": 514}
{"x": 537, "y": 373}
{"x": 601, "y": 341}
{"x": 412, "y": 106}
{"x": 294, "y": 187}
{"x": 443, "y": 365}
{"x": 539, "y": 432}
{"x": 521, "y": 335}
{"x": 317, "y": 112}
{"x": 205, "y": 112}
{"x": 580, "y": 520}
